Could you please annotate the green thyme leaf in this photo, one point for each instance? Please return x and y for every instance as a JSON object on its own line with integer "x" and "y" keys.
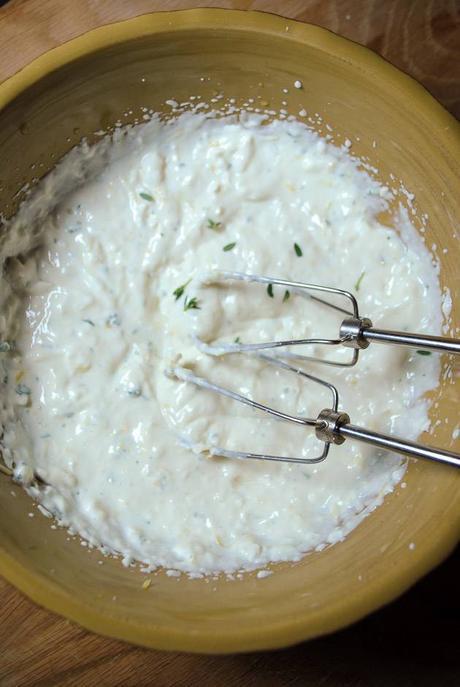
{"x": 358, "y": 283}
{"x": 214, "y": 225}
{"x": 177, "y": 293}
{"x": 7, "y": 346}
{"x": 191, "y": 304}
{"x": 270, "y": 290}
{"x": 113, "y": 320}
{"x": 147, "y": 196}
{"x": 229, "y": 246}
{"x": 424, "y": 352}
{"x": 298, "y": 250}
{"x": 23, "y": 390}
{"x": 90, "y": 322}
{"x": 237, "y": 340}
{"x": 286, "y": 296}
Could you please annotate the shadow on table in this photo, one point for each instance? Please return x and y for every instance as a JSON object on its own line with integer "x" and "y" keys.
{"x": 412, "y": 642}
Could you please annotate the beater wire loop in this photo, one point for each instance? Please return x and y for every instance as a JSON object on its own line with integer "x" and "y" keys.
{"x": 299, "y": 288}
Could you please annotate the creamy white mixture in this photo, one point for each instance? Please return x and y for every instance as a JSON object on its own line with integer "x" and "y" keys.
{"x": 111, "y": 297}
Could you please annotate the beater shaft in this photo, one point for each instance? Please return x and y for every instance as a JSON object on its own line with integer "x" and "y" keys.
{"x": 335, "y": 427}
{"x": 407, "y": 448}
{"x": 358, "y": 333}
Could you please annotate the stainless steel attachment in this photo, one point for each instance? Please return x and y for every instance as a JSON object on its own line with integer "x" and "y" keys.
{"x": 355, "y": 332}
{"x": 331, "y": 425}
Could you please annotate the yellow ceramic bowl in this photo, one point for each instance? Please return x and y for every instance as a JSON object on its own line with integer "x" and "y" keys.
{"x": 86, "y": 85}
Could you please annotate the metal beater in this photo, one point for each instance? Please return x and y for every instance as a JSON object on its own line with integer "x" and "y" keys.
{"x": 331, "y": 426}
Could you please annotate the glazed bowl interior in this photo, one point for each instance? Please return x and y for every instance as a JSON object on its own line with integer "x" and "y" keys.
{"x": 88, "y": 85}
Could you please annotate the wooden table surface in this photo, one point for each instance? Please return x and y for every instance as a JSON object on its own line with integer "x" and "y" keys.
{"x": 412, "y": 642}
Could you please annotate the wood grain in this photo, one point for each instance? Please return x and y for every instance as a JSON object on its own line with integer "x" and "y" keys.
{"x": 412, "y": 642}
{"x": 422, "y": 37}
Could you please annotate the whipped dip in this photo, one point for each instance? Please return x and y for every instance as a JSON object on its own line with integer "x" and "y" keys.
{"x": 111, "y": 295}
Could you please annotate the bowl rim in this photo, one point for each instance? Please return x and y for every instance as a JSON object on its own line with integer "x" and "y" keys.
{"x": 311, "y": 624}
